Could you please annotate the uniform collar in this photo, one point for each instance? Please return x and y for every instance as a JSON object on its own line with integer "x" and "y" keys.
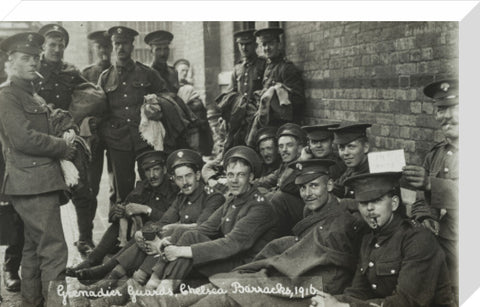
{"x": 164, "y": 189}
{"x": 195, "y": 195}
{"x": 387, "y": 231}
{"x": 325, "y": 210}
{"x": 249, "y": 61}
{"x": 128, "y": 66}
{"x": 24, "y": 85}
{"x": 49, "y": 65}
{"x": 245, "y": 195}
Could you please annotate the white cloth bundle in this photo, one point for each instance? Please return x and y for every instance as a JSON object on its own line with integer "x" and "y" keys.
{"x": 152, "y": 131}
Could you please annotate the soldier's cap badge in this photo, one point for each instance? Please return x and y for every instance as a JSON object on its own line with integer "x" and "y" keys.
{"x": 180, "y": 154}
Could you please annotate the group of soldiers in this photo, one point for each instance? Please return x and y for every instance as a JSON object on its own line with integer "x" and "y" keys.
{"x": 280, "y": 204}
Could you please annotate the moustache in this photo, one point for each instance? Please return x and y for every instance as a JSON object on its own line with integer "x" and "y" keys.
{"x": 186, "y": 186}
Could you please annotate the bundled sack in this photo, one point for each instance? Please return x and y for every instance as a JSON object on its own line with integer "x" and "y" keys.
{"x": 151, "y": 128}
{"x": 87, "y": 100}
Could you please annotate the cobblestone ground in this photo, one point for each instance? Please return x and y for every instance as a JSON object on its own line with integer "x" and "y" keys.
{"x": 69, "y": 221}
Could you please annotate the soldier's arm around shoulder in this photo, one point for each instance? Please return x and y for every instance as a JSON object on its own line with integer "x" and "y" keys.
{"x": 20, "y": 132}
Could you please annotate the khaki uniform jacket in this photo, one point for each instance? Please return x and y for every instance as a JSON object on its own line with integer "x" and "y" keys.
{"x": 401, "y": 265}
{"x": 323, "y": 254}
{"x": 159, "y": 199}
{"x": 238, "y": 228}
{"x": 283, "y": 71}
{"x": 125, "y": 88}
{"x": 58, "y": 84}
{"x": 30, "y": 150}
{"x": 92, "y": 73}
{"x": 194, "y": 208}
{"x": 169, "y": 75}
{"x": 442, "y": 165}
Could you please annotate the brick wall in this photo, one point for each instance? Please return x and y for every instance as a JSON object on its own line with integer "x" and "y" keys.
{"x": 374, "y": 72}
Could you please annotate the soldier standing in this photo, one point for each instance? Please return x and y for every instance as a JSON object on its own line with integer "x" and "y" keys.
{"x": 237, "y": 104}
{"x": 438, "y": 177}
{"x": 126, "y": 83}
{"x": 282, "y": 83}
{"x": 33, "y": 177}
{"x": 56, "y": 87}
{"x": 102, "y": 45}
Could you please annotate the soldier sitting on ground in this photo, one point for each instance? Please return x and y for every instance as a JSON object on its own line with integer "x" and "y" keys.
{"x": 150, "y": 199}
{"x": 401, "y": 263}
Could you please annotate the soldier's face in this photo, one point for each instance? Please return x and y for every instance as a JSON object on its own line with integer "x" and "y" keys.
{"x": 447, "y": 116}
{"x": 161, "y": 52}
{"x": 53, "y": 48}
{"x": 182, "y": 71}
{"x": 353, "y": 153}
{"x": 155, "y": 175}
{"x": 247, "y": 50}
{"x": 289, "y": 148}
{"x": 23, "y": 65}
{"x": 271, "y": 48}
{"x": 186, "y": 179}
{"x": 123, "y": 49}
{"x": 239, "y": 178}
{"x": 268, "y": 151}
{"x": 320, "y": 148}
{"x": 379, "y": 212}
{"x": 315, "y": 192}
{"x": 103, "y": 51}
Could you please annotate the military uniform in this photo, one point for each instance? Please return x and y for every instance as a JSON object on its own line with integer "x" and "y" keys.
{"x": 169, "y": 75}
{"x": 97, "y": 146}
{"x": 194, "y": 208}
{"x": 441, "y": 164}
{"x": 33, "y": 177}
{"x": 237, "y": 104}
{"x": 320, "y": 133}
{"x": 125, "y": 87}
{"x": 280, "y": 70}
{"x": 56, "y": 87}
{"x": 402, "y": 265}
{"x": 343, "y": 135}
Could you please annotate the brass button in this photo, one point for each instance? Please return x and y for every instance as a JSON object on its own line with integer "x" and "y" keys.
{"x": 157, "y": 198}
{"x": 371, "y": 264}
{"x": 234, "y": 207}
{"x": 449, "y": 153}
{"x": 126, "y": 108}
{"x": 377, "y": 245}
{"x": 392, "y": 271}
{"x": 58, "y": 96}
{"x": 374, "y": 286}
{"x": 186, "y": 216}
{"x": 128, "y": 120}
{"x": 56, "y": 84}
{"x": 446, "y": 170}
{"x": 34, "y": 163}
{"x": 124, "y": 95}
{"x": 124, "y": 83}
{"x": 189, "y": 203}
{"x": 321, "y": 227}
{"x": 227, "y": 219}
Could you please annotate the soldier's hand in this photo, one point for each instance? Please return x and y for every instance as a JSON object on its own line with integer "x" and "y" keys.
{"x": 173, "y": 252}
{"x": 70, "y": 152}
{"x": 118, "y": 211}
{"x": 417, "y": 177}
{"x": 432, "y": 225}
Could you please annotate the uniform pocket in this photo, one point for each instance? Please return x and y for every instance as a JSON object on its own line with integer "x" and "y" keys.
{"x": 389, "y": 268}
